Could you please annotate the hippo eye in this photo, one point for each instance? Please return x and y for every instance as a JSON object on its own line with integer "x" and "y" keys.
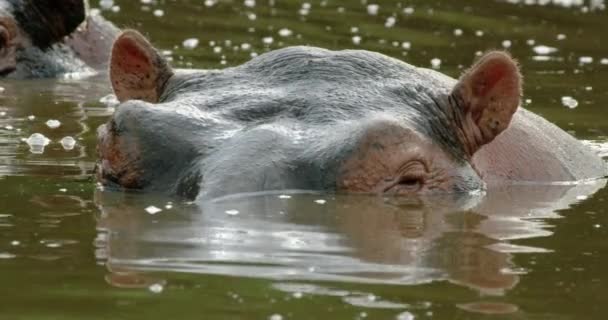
{"x": 410, "y": 181}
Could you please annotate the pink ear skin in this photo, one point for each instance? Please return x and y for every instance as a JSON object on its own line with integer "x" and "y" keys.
{"x": 137, "y": 71}
{"x": 487, "y": 95}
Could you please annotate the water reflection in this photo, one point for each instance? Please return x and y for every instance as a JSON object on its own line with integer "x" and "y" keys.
{"x": 360, "y": 239}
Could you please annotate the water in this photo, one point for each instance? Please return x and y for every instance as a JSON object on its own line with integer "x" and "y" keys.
{"x": 71, "y": 250}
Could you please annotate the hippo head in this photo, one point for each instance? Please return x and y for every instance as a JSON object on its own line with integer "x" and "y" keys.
{"x": 29, "y": 27}
{"x": 301, "y": 118}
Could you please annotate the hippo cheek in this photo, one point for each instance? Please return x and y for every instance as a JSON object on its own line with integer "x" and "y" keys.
{"x": 119, "y": 159}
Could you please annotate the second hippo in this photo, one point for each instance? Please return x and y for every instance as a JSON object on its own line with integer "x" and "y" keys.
{"x": 50, "y": 38}
{"x": 314, "y": 119}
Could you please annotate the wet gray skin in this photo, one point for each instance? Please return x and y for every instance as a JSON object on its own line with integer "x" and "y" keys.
{"x": 46, "y": 39}
{"x": 314, "y": 119}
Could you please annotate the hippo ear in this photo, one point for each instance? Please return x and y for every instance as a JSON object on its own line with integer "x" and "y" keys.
{"x": 48, "y": 21}
{"x": 137, "y": 71}
{"x": 487, "y": 95}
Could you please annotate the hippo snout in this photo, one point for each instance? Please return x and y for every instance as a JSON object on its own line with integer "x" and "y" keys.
{"x": 118, "y": 158}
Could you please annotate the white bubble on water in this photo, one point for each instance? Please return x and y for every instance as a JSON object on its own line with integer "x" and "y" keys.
{"x": 110, "y": 100}
{"x": 2, "y": 113}
{"x": 544, "y": 50}
{"x": 153, "y": 210}
{"x": 53, "y": 124}
{"x": 267, "y": 40}
{"x": 408, "y": 10}
{"x": 405, "y": 315}
{"x": 356, "y": 40}
{"x": 106, "y": 4}
{"x": 249, "y": 3}
{"x": 320, "y": 201}
{"x": 2, "y": 89}
{"x": 64, "y": 190}
{"x": 284, "y": 32}
{"x": 604, "y": 61}
{"x": 68, "y": 143}
{"x": 435, "y": 63}
{"x": 585, "y": 60}
{"x": 479, "y": 33}
{"x": 284, "y": 196}
{"x": 582, "y": 197}
{"x": 156, "y": 288}
{"x": 158, "y": 13}
{"x": 569, "y": 102}
{"x": 390, "y": 22}
{"x": 530, "y": 42}
{"x": 406, "y": 45}
{"x": 372, "y": 9}
{"x": 232, "y": 212}
{"x": 506, "y": 44}
{"x": 37, "y": 142}
{"x": 190, "y": 43}
{"x": 210, "y": 3}
{"x": 458, "y": 32}
{"x": 31, "y": 117}
{"x": 8, "y": 127}
{"x": 275, "y": 316}
{"x": 561, "y": 36}
{"x": 217, "y": 50}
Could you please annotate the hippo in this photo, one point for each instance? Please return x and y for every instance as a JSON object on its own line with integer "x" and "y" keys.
{"x": 46, "y": 39}
{"x": 305, "y": 118}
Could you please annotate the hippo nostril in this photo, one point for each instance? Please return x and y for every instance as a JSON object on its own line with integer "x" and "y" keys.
{"x": 6, "y": 71}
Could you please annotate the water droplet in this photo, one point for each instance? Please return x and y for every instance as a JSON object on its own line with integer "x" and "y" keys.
{"x": 190, "y": 43}
{"x": 544, "y": 50}
{"x": 156, "y": 288}
{"x": 372, "y": 9}
{"x": 267, "y": 40}
{"x": 435, "y": 63}
{"x": 585, "y": 60}
{"x": 37, "y": 142}
{"x": 405, "y": 316}
{"x": 569, "y": 102}
{"x": 153, "y": 210}
{"x": 232, "y": 212}
{"x": 68, "y": 143}
{"x": 284, "y": 32}
{"x": 53, "y": 124}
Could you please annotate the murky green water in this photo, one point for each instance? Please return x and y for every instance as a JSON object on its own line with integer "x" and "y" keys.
{"x": 71, "y": 251}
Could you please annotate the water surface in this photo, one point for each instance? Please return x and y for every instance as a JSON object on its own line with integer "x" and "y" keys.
{"x": 71, "y": 250}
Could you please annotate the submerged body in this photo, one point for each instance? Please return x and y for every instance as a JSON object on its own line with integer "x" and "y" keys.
{"x": 309, "y": 118}
{"x": 45, "y": 39}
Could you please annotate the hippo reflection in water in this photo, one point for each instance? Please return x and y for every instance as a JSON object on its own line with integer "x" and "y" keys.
{"x": 314, "y": 119}
{"x": 50, "y": 38}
